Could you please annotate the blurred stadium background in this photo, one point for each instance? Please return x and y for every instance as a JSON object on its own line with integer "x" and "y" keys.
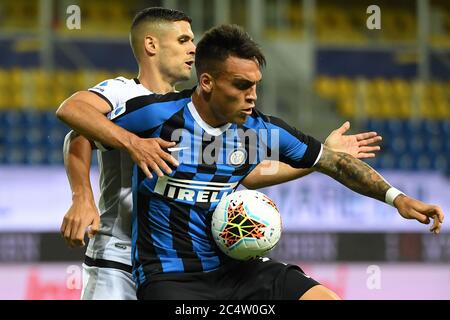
{"x": 324, "y": 67}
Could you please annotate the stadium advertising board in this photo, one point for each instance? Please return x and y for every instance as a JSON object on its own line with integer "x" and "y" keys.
{"x": 36, "y": 199}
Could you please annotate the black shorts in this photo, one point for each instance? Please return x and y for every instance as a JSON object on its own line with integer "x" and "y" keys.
{"x": 260, "y": 279}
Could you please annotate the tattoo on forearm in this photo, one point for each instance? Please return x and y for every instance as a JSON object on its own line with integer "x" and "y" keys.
{"x": 353, "y": 173}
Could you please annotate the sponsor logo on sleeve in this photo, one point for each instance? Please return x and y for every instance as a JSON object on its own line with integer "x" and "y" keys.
{"x": 117, "y": 112}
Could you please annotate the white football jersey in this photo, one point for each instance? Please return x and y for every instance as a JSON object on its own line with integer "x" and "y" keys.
{"x": 113, "y": 241}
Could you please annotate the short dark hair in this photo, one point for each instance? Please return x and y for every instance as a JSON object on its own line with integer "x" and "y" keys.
{"x": 224, "y": 41}
{"x": 155, "y": 14}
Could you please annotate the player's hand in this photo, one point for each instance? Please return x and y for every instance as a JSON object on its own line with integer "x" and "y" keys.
{"x": 358, "y": 145}
{"x": 81, "y": 217}
{"x": 149, "y": 154}
{"x": 410, "y": 208}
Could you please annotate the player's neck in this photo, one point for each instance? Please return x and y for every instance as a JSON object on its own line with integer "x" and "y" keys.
{"x": 199, "y": 100}
{"x": 154, "y": 81}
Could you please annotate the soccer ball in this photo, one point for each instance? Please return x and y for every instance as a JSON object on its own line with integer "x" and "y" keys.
{"x": 246, "y": 224}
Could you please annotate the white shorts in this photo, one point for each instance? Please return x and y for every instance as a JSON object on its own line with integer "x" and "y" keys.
{"x": 107, "y": 284}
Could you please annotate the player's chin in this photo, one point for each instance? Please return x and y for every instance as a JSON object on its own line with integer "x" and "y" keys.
{"x": 240, "y": 119}
{"x": 184, "y": 77}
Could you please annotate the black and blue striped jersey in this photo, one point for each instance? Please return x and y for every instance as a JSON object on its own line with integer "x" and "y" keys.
{"x": 171, "y": 214}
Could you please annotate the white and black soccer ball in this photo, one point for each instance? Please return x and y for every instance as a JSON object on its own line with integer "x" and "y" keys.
{"x": 246, "y": 224}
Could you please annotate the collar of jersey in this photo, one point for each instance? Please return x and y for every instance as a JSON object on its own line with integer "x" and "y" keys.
{"x": 209, "y": 130}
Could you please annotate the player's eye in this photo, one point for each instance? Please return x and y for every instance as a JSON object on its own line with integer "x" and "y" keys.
{"x": 183, "y": 40}
{"x": 243, "y": 85}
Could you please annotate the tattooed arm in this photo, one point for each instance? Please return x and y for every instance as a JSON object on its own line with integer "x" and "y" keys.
{"x": 352, "y": 173}
{"x": 358, "y": 145}
{"x": 361, "y": 178}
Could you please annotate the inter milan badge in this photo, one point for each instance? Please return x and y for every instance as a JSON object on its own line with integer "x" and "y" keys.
{"x": 238, "y": 157}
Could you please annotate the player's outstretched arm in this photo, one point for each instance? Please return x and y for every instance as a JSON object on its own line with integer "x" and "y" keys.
{"x": 358, "y": 145}
{"x": 85, "y": 113}
{"x": 83, "y": 211}
{"x": 361, "y": 178}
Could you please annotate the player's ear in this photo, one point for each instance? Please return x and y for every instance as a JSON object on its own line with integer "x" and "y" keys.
{"x": 206, "y": 82}
{"x": 150, "y": 44}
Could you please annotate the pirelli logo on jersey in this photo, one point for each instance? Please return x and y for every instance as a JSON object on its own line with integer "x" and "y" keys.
{"x": 193, "y": 191}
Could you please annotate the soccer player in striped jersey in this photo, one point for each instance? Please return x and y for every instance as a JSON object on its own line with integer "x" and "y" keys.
{"x": 162, "y": 43}
{"x": 221, "y": 138}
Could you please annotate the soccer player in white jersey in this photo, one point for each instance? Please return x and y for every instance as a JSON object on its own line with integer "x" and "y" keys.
{"x": 162, "y": 42}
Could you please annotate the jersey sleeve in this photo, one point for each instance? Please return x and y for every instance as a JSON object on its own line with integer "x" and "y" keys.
{"x": 111, "y": 91}
{"x": 291, "y": 145}
{"x": 143, "y": 115}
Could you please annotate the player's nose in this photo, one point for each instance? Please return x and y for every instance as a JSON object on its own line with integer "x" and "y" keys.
{"x": 192, "y": 49}
{"x": 252, "y": 96}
